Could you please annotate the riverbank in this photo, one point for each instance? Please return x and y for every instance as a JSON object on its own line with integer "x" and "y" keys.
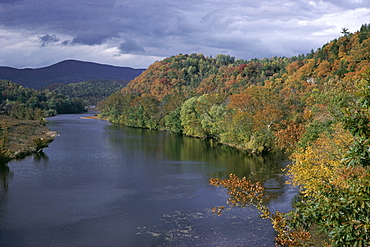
{"x": 20, "y": 138}
{"x": 92, "y": 117}
{"x": 97, "y": 175}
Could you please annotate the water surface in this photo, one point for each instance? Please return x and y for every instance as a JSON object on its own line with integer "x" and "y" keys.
{"x": 107, "y": 185}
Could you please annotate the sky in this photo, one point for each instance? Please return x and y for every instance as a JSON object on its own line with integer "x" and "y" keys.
{"x": 136, "y": 33}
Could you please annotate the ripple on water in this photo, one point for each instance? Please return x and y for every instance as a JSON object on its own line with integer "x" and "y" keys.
{"x": 181, "y": 228}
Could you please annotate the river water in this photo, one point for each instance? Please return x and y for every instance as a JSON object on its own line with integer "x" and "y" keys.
{"x": 99, "y": 184}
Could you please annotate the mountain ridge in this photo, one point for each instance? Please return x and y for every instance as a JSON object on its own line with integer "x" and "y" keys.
{"x": 67, "y": 71}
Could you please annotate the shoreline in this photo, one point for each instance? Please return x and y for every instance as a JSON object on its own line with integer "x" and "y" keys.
{"x": 23, "y": 138}
{"x": 91, "y": 117}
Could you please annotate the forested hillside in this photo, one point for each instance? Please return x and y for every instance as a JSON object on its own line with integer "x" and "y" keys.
{"x": 258, "y": 105}
{"x": 91, "y": 91}
{"x": 22, "y": 118}
{"x": 315, "y": 106}
{"x": 25, "y": 103}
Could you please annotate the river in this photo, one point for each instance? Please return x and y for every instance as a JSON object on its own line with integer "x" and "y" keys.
{"x": 99, "y": 184}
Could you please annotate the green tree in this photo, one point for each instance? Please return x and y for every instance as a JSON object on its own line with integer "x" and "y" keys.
{"x": 357, "y": 121}
{"x": 190, "y": 119}
{"x": 173, "y": 121}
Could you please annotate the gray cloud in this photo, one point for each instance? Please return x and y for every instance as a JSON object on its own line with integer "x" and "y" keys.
{"x": 48, "y": 39}
{"x": 242, "y": 28}
{"x": 131, "y": 46}
{"x": 349, "y": 4}
{"x": 66, "y": 42}
{"x": 91, "y": 38}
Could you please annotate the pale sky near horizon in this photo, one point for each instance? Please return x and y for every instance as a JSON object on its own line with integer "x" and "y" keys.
{"x": 136, "y": 33}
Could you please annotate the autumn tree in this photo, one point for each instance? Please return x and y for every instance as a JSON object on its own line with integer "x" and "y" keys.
{"x": 243, "y": 192}
{"x": 335, "y": 195}
{"x": 334, "y": 177}
{"x": 357, "y": 121}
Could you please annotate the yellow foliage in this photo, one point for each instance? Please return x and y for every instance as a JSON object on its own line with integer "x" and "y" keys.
{"x": 318, "y": 165}
{"x": 243, "y": 192}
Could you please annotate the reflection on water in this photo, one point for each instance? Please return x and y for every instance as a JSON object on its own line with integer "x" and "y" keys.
{"x": 220, "y": 159}
{"x": 41, "y": 157}
{"x": 5, "y": 175}
{"x": 106, "y": 185}
{"x": 216, "y": 159}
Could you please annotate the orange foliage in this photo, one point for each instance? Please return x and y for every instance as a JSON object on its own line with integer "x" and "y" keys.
{"x": 242, "y": 192}
{"x": 289, "y": 135}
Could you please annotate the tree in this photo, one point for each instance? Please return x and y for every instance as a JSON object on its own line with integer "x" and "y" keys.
{"x": 289, "y": 134}
{"x": 173, "y": 121}
{"x": 317, "y": 164}
{"x": 190, "y": 119}
{"x": 357, "y": 121}
{"x": 334, "y": 175}
{"x": 242, "y": 192}
{"x": 211, "y": 113}
{"x": 238, "y": 129}
{"x": 212, "y": 121}
{"x": 150, "y": 111}
{"x": 345, "y": 31}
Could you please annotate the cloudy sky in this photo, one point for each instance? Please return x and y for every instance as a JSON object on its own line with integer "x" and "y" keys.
{"x": 136, "y": 33}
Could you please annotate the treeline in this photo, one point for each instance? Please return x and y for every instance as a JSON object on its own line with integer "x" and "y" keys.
{"x": 91, "y": 91}
{"x": 200, "y": 96}
{"x": 196, "y": 74}
{"x": 23, "y": 111}
{"x": 25, "y": 103}
{"x": 259, "y": 105}
{"x": 332, "y": 170}
{"x": 22, "y": 118}
{"x": 315, "y": 106}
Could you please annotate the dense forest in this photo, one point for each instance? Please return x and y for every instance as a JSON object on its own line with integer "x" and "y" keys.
{"x": 314, "y": 107}
{"x": 22, "y": 118}
{"x": 258, "y": 105}
{"x": 91, "y": 91}
{"x": 25, "y": 103}
{"x": 23, "y": 111}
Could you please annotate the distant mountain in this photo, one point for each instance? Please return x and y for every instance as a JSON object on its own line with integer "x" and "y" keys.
{"x": 68, "y": 71}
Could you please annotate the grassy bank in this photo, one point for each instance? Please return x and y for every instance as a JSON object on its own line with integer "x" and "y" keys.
{"x": 20, "y": 138}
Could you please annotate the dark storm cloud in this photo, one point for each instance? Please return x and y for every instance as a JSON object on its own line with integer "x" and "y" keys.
{"x": 91, "y": 38}
{"x": 65, "y": 16}
{"x": 242, "y": 28}
{"x": 9, "y": 1}
{"x": 48, "y": 39}
{"x": 131, "y": 46}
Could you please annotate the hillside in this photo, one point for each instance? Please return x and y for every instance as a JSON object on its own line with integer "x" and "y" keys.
{"x": 258, "y": 105}
{"x": 315, "y": 107}
{"x": 22, "y": 118}
{"x": 346, "y": 58}
{"x": 69, "y": 71}
{"x": 27, "y": 103}
{"x": 91, "y": 91}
